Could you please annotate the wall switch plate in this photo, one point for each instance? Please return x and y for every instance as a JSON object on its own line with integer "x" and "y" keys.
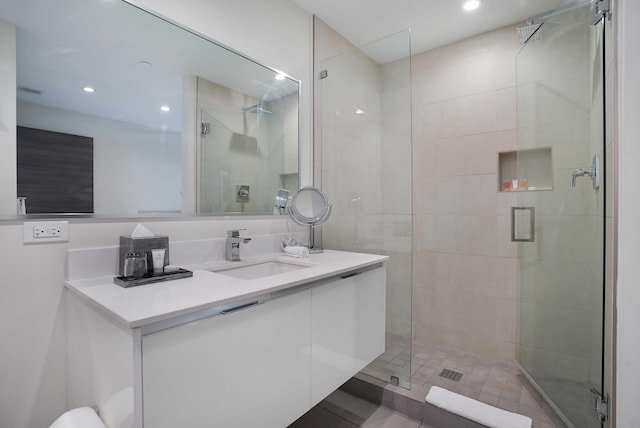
{"x": 40, "y": 232}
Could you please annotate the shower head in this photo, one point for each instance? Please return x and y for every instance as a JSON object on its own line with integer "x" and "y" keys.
{"x": 257, "y": 109}
{"x": 529, "y": 32}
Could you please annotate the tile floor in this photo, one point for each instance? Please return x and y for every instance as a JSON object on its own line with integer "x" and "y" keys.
{"x": 493, "y": 382}
{"x": 343, "y": 410}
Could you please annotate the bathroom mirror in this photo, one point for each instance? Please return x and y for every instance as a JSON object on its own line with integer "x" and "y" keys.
{"x": 310, "y": 207}
{"x": 178, "y": 124}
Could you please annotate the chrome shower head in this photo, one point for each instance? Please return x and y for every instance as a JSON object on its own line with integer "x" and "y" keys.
{"x": 530, "y": 32}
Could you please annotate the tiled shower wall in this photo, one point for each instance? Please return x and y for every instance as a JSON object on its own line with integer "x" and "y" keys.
{"x": 464, "y": 266}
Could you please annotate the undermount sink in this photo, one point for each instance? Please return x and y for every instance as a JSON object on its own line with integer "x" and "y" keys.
{"x": 259, "y": 270}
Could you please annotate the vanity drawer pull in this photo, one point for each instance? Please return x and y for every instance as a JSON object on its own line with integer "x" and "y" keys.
{"x": 240, "y": 307}
{"x": 349, "y": 275}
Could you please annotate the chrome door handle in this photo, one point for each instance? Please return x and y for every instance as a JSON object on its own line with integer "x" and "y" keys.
{"x": 523, "y": 226}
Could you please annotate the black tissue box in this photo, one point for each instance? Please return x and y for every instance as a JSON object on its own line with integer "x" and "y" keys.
{"x": 129, "y": 244}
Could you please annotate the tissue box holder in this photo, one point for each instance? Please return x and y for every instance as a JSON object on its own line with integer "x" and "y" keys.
{"x": 127, "y": 282}
{"x": 129, "y": 244}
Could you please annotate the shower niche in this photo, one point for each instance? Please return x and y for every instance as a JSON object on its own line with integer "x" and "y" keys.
{"x": 525, "y": 170}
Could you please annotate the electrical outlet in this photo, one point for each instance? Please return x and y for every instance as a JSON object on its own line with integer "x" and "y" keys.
{"x": 45, "y": 231}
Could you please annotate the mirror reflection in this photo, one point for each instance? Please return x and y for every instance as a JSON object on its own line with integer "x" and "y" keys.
{"x": 167, "y": 122}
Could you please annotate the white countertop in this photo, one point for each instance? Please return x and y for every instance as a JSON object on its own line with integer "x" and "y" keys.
{"x": 137, "y": 306}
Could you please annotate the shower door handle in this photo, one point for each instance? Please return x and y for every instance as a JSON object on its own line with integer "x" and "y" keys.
{"x": 523, "y": 226}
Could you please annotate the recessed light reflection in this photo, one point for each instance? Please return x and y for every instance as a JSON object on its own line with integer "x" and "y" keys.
{"x": 165, "y": 108}
{"x": 471, "y": 5}
{"x": 88, "y": 89}
{"x": 359, "y": 111}
{"x": 280, "y": 76}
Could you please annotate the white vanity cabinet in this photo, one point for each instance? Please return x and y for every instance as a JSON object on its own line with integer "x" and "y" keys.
{"x": 262, "y": 359}
{"x": 347, "y": 329}
{"x": 249, "y": 368}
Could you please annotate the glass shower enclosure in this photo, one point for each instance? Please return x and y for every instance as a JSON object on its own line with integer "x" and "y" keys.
{"x": 557, "y": 173}
{"x": 363, "y": 163}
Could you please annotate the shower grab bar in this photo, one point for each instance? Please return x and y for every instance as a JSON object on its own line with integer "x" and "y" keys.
{"x": 517, "y": 233}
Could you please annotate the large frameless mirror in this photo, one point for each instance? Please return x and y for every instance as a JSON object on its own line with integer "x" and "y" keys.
{"x": 121, "y": 113}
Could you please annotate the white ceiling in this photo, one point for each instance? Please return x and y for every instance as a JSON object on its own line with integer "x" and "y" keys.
{"x": 64, "y": 45}
{"x": 433, "y": 23}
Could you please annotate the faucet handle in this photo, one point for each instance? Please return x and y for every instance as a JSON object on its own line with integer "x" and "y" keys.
{"x": 234, "y": 233}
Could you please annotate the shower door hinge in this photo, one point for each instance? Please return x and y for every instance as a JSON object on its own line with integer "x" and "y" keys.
{"x": 599, "y": 9}
{"x": 600, "y": 405}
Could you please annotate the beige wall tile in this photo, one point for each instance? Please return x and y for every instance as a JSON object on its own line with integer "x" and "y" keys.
{"x": 506, "y": 278}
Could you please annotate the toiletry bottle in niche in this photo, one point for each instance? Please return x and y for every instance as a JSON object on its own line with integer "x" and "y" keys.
{"x": 523, "y": 184}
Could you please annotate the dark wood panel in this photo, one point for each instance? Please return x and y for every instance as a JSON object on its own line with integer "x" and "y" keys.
{"x": 55, "y": 171}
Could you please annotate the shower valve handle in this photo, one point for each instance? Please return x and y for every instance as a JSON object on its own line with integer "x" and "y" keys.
{"x": 593, "y": 173}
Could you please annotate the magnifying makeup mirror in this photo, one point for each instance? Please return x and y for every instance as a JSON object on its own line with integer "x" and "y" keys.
{"x": 310, "y": 207}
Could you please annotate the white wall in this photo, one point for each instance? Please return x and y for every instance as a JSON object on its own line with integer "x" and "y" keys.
{"x": 135, "y": 168}
{"x": 628, "y": 284}
{"x": 32, "y": 312}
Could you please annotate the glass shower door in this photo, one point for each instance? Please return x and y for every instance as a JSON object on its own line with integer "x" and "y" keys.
{"x": 558, "y": 220}
{"x": 364, "y": 166}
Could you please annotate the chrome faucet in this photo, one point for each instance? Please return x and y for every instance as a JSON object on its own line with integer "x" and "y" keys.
{"x": 232, "y": 246}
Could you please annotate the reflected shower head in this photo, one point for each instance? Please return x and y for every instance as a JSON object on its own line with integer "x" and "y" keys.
{"x": 257, "y": 109}
{"x": 282, "y": 197}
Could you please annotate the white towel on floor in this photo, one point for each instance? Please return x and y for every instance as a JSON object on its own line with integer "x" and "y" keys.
{"x": 475, "y": 410}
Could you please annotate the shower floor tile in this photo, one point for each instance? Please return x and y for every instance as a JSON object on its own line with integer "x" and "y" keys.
{"x": 493, "y": 382}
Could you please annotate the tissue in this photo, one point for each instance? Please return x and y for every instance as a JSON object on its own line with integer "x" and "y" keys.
{"x": 141, "y": 232}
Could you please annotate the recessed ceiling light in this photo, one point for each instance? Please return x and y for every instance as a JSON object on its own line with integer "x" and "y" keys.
{"x": 145, "y": 64}
{"x": 471, "y": 5}
{"x": 165, "y": 108}
{"x": 359, "y": 111}
{"x": 280, "y": 76}
{"x": 88, "y": 89}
